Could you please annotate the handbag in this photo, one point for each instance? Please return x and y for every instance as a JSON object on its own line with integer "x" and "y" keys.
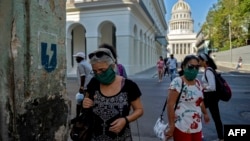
{"x": 82, "y": 126}
{"x": 160, "y": 125}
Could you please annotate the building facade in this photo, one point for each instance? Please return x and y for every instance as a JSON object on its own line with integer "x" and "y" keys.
{"x": 136, "y": 28}
{"x": 202, "y": 43}
{"x": 181, "y": 34}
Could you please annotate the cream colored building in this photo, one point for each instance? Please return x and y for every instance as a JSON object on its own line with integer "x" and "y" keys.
{"x": 181, "y": 34}
{"x": 136, "y": 28}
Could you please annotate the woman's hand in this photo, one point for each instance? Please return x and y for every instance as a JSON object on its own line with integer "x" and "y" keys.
{"x": 206, "y": 118}
{"x": 169, "y": 132}
{"x": 117, "y": 125}
{"x": 87, "y": 103}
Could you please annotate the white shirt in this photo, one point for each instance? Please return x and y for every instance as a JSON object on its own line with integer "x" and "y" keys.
{"x": 84, "y": 69}
{"x": 188, "y": 115}
{"x": 209, "y": 84}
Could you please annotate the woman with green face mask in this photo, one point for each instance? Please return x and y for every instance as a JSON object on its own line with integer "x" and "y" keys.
{"x": 111, "y": 97}
{"x": 185, "y": 122}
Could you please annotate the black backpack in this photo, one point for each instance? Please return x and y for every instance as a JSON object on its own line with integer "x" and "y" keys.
{"x": 222, "y": 87}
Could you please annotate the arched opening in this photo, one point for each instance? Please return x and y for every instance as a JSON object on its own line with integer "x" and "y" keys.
{"x": 76, "y": 42}
{"x": 107, "y": 32}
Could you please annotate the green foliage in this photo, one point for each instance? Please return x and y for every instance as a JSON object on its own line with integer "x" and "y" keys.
{"x": 216, "y": 26}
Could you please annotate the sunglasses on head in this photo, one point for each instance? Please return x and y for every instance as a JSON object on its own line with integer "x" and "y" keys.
{"x": 99, "y": 54}
{"x": 190, "y": 66}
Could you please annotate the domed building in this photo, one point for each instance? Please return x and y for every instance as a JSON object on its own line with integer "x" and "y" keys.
{"x": 181, "y": 34}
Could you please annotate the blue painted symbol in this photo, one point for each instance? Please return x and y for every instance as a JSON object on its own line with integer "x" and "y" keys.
{"x": 48, "y": 63}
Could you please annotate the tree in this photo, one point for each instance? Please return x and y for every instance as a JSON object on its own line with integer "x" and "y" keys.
{"x": 216, "y": 26}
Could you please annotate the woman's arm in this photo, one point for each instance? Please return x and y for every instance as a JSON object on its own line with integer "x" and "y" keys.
{"x": 171, "y": 101}
{"x": 204, "y": 111}
{"x": 120, "y": 123}
{"x": 137, "y": 110}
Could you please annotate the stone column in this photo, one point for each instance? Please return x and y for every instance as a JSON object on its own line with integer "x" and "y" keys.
{"x": 33, "y": 102}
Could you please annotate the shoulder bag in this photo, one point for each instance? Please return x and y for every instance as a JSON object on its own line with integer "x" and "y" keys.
{"x": 160, "y": 125}
{"x": 82, "y": 126}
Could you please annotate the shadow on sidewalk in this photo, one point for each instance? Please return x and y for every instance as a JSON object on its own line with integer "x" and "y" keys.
{"x": 148, "y": 73}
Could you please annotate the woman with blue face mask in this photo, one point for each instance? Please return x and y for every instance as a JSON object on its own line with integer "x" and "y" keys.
{"x": 185, "y": 122}
{"x": 111, "y": 97}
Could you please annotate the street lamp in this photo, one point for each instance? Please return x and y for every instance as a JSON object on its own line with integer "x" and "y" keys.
{"x": 230, "y": 38}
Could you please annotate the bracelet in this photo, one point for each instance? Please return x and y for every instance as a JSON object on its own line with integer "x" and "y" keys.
{"x": 126, "y": 119}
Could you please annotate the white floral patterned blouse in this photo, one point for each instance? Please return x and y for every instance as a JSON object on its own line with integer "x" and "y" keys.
{"x": 188, "y": 112}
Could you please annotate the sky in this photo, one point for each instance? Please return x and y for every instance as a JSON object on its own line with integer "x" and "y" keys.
{"x": 199, "y": 10}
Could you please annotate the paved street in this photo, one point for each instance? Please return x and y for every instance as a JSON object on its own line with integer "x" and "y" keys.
{"x": 236, "y": 111}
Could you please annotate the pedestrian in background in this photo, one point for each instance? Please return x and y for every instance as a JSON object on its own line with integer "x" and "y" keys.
{"x": 119, "y": 68}
{"x": 239, "y": 64}
{"x": 160, "y": 68}
{"x": 166, "y": 66}
{"x": 172, "y": 63}
{"x": 185, "y": 122}
{"x": 111, "y": 99}
{"x": 83, "y": 75}
{"x": 209, "y": 86}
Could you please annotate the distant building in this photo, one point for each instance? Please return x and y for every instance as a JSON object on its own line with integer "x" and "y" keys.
{"x": 181, "y": 34}
{"x": 136, "y": 28}
{"x": 202, "y": 43}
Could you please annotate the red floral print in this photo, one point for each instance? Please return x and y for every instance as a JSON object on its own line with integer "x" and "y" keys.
{"x": 198, "y": 101}
{"x": 194, "y": 125}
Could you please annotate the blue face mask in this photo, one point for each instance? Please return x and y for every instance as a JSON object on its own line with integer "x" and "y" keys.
{"x": 106, "y": 77}
{"x": 190, "y": 74}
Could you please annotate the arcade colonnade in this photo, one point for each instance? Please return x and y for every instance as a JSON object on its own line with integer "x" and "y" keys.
{"x": 129, "y": 30}
{"x": 136, "y": 50}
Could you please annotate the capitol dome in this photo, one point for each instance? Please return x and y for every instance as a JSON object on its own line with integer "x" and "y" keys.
{"x": 181, "y": 6}
{"x": 181, "y": 36}
{"x": 181, "y": 20}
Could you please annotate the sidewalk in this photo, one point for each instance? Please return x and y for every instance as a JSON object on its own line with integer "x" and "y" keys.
{"x": 148, "y": 73}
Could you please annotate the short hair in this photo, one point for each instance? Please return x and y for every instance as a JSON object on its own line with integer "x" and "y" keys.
{"x": 107, "y": 58}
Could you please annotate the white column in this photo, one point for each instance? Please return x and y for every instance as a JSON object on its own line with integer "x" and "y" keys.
{"x": 123, "y": 51}
{"x": 92, "y": 44}
{"x": 69, "y": 54}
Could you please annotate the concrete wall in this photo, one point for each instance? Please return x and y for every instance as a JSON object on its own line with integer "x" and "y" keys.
{"x": 33, "y": 104}
{"x": 224, "y": 58}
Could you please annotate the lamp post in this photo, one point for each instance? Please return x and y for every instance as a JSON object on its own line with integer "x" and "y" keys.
{"x": 230, "y": 42}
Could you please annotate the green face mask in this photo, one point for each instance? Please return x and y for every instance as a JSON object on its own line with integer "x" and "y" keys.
{"x": 190, "y": 74}
{"x": 106, "y": 77}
